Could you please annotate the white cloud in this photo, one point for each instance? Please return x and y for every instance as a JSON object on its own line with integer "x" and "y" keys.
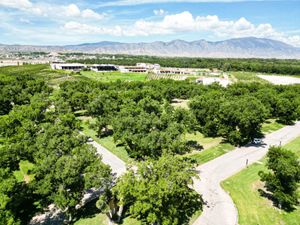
{"x": 72, "y": 10}
{"x": 90, "y": 14}
{"x": 186, "y": 22}
{"x": 23, "y": 20}
{"x": 51, "y": 10}
{"x": 159, "y": 12}
{"x": 23, "y": 4}
{"x": 141, "y": 2}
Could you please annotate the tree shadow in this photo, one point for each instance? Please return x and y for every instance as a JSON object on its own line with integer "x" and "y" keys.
{"x": 269, "y": 196}
{"x": 89, "y": 210}
{"x": 194, "y": 145}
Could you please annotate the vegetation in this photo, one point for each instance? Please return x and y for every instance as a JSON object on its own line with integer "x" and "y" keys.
{"x": 210, "y": 154}
{"x": 45, "y": 160}
{"x": 270, "y": 126}
{"x": 254, "y": 208}
{"x": 114, "y": 76}
{"x": 279, "y": 66}
{"x": 157, "y": 192}
{"x": 283, "y": 178}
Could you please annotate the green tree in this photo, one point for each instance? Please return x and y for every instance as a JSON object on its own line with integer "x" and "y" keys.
{"x": 160, "y": 192}
{"x": 283, "y": 177}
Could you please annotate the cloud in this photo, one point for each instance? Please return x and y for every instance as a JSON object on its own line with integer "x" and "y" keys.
{"x": 52, "y": 10}
{"x": 141, "y": 2}
{"x": 90, "y": 14}
{"x": 72, "y": 10}
{"x": 185, "y": 22}
{"x": 159, "y": 12}
{"x": 23, "y": 4}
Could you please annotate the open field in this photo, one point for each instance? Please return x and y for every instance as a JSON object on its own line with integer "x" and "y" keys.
{"x": 205, "y": 142}
{"x": 270, "y": 126}
{"x": 254, "y": 209}
{"x": 247, "y": 77}
{"x": 113, "y": 76}
{"x": 211, "y": 153}
{"x": 284, "y": 80}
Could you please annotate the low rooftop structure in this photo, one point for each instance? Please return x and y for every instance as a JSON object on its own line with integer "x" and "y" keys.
{"x": 179, "y": 71}
{"x": 68, "y": 66}
{"x": 103, "y": 67}
{"x": 133, "y": 69}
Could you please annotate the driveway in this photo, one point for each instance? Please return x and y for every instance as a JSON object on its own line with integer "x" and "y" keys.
{"x": 117, "y": 165}
{"x": 219, "y": 208}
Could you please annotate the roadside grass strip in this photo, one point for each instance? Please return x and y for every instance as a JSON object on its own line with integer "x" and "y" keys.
{"x": 254, "y": 209}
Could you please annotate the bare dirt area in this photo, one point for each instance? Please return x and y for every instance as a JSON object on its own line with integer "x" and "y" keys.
{"x": 284, "y": 80}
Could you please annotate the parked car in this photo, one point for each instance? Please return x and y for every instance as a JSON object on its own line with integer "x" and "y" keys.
{"x": 257, "y": 141}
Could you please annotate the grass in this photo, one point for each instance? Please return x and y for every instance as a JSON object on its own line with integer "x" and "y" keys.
{"x": 23, "y": 174}
{"x": 180, "y": 103}
{"x": 270, "y": 126}
{"x": 254, "y": 209}
{"x": 211, "y": 153}
{"x": 114, "y": 76}
{"x": 247, "y": 77}
{"x": 107, "y": 142}
{"x": 101, "y": 219}
{"x": 205, "y": 142}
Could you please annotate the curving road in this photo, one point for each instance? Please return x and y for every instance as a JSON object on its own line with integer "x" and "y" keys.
{"x": 219, "y": 208}
{"x": 117, "y": 165}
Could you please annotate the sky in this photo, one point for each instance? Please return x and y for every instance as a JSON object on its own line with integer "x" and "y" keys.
{"x": 57, "y": 22}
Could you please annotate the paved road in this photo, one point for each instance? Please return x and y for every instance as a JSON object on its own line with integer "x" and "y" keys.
{"x": 117, "y": 165}
{"x": 220, "y": 209}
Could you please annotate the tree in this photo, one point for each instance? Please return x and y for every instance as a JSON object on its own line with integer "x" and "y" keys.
{"x": 283, "y": 177}
{"x": 159, "y": 192}
{"x": 241, "y": 119}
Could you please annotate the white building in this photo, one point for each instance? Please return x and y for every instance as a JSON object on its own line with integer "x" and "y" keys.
{"x": 211, "y": 80}
{"x": 68, "y": 66}
{"x": 175, "y": 71}
{"x": 133, "y": 69}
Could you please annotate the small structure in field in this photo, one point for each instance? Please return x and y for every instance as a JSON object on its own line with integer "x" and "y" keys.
{"x": 224, "y": 82}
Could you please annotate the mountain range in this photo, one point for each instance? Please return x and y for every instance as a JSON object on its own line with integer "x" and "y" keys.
{"x": 249, "y": 47}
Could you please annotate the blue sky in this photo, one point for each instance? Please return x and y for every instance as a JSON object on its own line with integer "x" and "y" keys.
{"x": 77, "y": 21}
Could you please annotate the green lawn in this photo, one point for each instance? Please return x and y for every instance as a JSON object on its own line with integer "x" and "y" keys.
{"x": 101, "y": 219}
{"x": 247, "y": 77}
{"x": 107, "y": 142}
{"x": 113, "y": 76}
{"x": 270, "y": 126}
{"x": 23, "y": 174}
{"x": 254, "y": 209}
{"x": 211, "y": 153}
{"x": 205, "y": 142}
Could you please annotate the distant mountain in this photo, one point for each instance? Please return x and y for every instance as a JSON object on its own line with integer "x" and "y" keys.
{"x": 249, "y": 47}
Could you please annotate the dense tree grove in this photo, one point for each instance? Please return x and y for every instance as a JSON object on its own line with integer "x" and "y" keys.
{"x": 140, "y": 113}
{"x": 279, "y": 66}
{"x": 40, "y": 126}
{"x": 64, "y": 166}
{"x": 283, "y": 177}
{"x": 156, "y": 192}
